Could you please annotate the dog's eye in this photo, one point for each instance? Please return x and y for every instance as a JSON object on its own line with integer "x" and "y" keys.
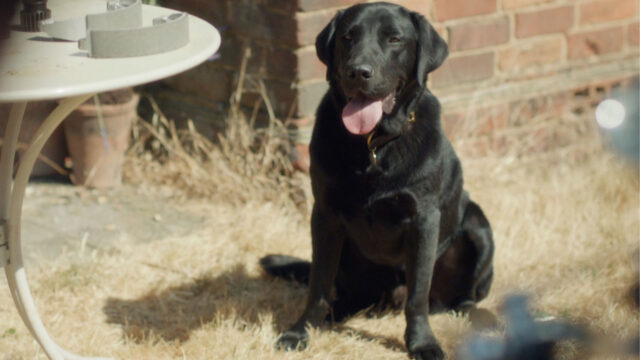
{"x": 347, "y": 37}
{"x": 394, "y": 39}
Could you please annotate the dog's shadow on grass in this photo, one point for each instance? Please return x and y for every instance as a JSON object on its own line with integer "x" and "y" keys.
{"x": 173, "y": 313}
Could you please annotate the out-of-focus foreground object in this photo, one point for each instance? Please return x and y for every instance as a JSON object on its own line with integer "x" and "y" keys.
{"x": 618, "y": 117}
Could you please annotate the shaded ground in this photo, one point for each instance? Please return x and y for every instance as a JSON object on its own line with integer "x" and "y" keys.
{"x": 59, "y": 217}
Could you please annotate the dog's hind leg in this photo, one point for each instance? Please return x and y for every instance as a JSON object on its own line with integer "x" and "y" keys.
{"x": 464, "y": 272}
{"x": 477, "y": 231}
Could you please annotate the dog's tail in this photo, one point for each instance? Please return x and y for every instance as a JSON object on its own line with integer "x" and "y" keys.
{"x": 287, "y": 267}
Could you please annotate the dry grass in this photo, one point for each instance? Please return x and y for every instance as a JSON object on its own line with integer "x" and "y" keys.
{"x": 244, "y": 164}
{"x": 566, "y": 232}
{"x": 195, "y": 167}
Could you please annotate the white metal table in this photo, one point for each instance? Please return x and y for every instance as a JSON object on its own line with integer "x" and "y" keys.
{"x": 31, "y": 69}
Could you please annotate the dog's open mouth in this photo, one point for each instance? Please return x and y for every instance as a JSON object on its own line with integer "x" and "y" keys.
{"x": 361, "y": 114}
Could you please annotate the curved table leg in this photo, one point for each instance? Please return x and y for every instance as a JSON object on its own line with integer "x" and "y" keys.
{"x": 7, "y": 155}
{"x": 7, "y": 158}
{"x": 14, "y": 270}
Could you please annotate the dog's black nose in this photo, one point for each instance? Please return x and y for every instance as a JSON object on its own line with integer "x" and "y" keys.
{"x": 361, "y": 72}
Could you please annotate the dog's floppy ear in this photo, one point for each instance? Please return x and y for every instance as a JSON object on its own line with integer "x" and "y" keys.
{"x": 325, "y": 42}
{"x": 431, "y": 49}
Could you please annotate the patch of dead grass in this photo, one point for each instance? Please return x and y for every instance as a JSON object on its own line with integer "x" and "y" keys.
{"x": 566, "y": 232}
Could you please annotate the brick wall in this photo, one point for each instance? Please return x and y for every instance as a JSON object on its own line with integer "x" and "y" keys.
{"x": 504, "y": 55}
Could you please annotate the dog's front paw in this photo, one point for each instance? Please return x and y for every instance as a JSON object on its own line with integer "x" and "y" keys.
{"x": 428, "y": 352}
{"x": 292, "y": 340}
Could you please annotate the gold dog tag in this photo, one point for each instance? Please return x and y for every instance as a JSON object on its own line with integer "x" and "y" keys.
{"x": 412, "y": 116}
{"x": 372, "y": 157}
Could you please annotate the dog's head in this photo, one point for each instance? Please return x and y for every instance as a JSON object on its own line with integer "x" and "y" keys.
{"x": 373, "y": 52}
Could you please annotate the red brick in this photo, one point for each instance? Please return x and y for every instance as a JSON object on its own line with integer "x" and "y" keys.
{"x": 288, "y": 100}
{"x": 595, "y": 42}
{"x": 475, "y": 34}
{"x": 452, "y": 9}
{"x": 230, "y": 52}
{"x": 280, "y": 29}
{"x": 310, "y": 24}
{"x": 475, "y": 147}
{"x": 311, "y": 5}
{"x": 420, "y": 6}
{"x": 633, "y": 31}
{"x": 524, "y": 111}
{"x": 290, "y": 65}
{"x": 463, "y": 69}
{"x": 309, "y": 66}
{"x": 490, "y": 119}
{"x": 452, "y": 124}
{"x": 214, "y": 11}
{"x": 600, "y": 11}
{"x": 441, "y": 30}
{"x": 530, "y": 54}
{"x": 281, "y": 96}
{"x": 286, "y": 6}
{"x": 475, "y": 121}
{"x": 255, "y": 22}
{"x": 280, "y": 64}
{"x": 516, "y": 4}
{"x": 206, "y": 79}
{"x": 300, "y": 122}
{"x": 269, "y": 62}
{"x": 309, "y": 95}
{"x": 544, "y": 21}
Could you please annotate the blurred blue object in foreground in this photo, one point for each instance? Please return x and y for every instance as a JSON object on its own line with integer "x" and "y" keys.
{"x": 524, "y": 338}
{"x": 618, "y": 117}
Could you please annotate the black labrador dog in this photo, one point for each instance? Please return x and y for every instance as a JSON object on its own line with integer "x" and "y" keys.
{"x": 390, "y": 209}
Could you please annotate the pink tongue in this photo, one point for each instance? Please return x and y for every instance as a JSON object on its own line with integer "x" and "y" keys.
{"x": 361, "y": 115}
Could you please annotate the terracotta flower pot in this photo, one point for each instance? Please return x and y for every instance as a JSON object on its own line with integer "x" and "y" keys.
{"x": 97, "y": 151}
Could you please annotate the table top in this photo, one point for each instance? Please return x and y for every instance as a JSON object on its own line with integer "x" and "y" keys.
{"x": 34, "y": 67}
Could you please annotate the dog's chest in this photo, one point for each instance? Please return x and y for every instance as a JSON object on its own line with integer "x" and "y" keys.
{"x": 378, "y": 224}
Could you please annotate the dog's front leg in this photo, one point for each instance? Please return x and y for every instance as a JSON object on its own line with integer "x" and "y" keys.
{"x": 422, "y": 243}
{"x": 327, "y": 241}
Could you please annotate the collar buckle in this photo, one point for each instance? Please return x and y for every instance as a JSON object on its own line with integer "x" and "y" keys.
{"x": 372, "y": 150}
{"x": 373, "y": 158}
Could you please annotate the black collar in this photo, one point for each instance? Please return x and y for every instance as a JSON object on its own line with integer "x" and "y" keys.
{"x": 375, "y": 140}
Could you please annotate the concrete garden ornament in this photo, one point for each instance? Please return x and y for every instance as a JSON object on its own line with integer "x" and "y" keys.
{"x": 120, "y": 32}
